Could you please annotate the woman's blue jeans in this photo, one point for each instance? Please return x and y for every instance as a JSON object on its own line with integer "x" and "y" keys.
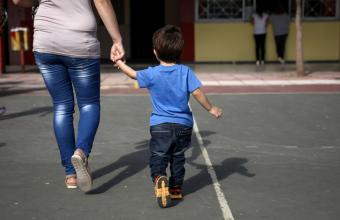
{"x": 62, "y": 74}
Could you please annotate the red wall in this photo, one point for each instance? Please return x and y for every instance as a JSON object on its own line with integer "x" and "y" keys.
{"x": 187, "y": 20}
{"x": 20, "y": 17}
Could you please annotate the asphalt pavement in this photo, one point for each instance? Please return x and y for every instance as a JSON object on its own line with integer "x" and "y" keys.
{"x": 276, "y": 156}
{"x": 273, "y": 155}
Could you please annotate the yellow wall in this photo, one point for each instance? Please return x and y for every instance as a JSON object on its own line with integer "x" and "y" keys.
{"x": 234, "y": 42}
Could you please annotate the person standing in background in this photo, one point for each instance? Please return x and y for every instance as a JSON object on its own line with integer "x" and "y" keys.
{"x": 280, "y": 21}
{"x": 67, "y": 53}
{"x": 3, "y": 19}
{"x": 260, "y": 20}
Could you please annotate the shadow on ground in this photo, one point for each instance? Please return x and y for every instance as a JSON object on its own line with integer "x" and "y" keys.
{"x": 138, "y": 160}
{"x": 10, "y": 83}
{"x": 8, "y": 92}
{"x": 133, "y": 163}
{"x": 13, "y": 88}
{"x": 226, "y": 168}
{"x": 43, "y": 111}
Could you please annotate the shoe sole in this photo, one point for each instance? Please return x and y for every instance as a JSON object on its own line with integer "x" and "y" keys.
{"x": 84, "y": 180}
{"x": 176, "y": 197}
{"x": 162, "y": 192}
{"x": 71, "y": 187}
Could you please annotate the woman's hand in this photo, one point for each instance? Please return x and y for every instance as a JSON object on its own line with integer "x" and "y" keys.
{"x": 117, "y": 52}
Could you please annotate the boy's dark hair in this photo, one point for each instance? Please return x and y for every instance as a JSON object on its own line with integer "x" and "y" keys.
{"x": 168, "y": 43}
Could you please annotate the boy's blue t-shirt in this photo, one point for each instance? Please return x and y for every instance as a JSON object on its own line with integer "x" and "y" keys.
{"x": 169, "y": 88}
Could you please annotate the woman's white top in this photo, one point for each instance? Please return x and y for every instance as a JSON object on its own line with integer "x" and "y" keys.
{"x": 260, "y": 23}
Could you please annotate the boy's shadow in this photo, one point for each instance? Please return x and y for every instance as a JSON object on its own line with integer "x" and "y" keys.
{"x": 228, "y": 167}
{"x": 138, "y": 160}
{"x": 133, "y": 163}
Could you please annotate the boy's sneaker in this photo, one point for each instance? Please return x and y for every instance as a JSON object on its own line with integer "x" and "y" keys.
{"x": 80, "y": 164}
{"x": 176, "y": 193}
{"x": 71, "y": 181}
{"x": 162, "y": 191}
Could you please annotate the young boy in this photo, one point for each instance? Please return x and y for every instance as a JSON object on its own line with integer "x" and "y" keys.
{"x": 171, "y": 121}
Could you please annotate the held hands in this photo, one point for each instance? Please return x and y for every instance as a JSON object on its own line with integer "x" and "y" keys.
{"x": 216, "y": 111}
{"x": 117, "y": 52}
{"x": 119, "y": 63}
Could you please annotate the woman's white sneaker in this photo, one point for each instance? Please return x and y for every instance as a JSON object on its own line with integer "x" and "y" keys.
{"x": 80, "y": 164}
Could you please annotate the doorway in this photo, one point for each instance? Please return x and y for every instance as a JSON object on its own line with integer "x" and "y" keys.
{"x": 146, "y": 18}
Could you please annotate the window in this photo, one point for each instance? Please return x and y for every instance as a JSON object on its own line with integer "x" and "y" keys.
{"x": 241, "y": 10}
{"x": 319, "y": 8}
{"x": 224, "y": 9}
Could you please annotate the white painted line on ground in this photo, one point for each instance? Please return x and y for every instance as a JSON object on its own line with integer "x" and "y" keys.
{"x": 272, "y": 93}
{"x": 227, "y": 215}
{"x": 327, "y": 147}
{"x": 252, "y": 147}
{"x": 291, "y": 147}
{"x": 264, "y": 82}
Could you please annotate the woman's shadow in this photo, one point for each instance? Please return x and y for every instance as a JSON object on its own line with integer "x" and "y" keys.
{"x": 133, "y": 163}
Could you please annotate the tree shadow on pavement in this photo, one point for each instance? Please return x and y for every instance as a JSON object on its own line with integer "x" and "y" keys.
{"x": 43, "y": 111}
{"x": 7, "y": 83}
{"x": 2, "y": 144}
{"x": 133, "y": 163}
{"x": 226, "y": 168}
{"x": 9, "y": 92}
{"x": 14, "y": 88}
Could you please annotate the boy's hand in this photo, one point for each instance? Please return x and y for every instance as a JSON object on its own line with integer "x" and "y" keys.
{"x": 216, "y": 111}
{"x": 120, "y": 64}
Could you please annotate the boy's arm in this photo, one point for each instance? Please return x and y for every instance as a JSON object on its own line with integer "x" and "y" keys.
{"x": 126, "y": 69}
{"x": 24, "y": 3}
{"x": 203, "y": 100}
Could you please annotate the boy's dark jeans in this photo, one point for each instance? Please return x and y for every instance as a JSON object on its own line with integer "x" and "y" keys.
{"x": 168, "y": 143}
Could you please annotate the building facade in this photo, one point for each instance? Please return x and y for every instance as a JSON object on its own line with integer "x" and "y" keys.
{"x": 214, "y": 30}
{"x": 223, "y": 31}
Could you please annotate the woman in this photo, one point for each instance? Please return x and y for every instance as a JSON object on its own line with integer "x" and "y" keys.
{"x": 280, "y": 21}
{"x": 67, "y": 53}
{"x": 260, "y": 20}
